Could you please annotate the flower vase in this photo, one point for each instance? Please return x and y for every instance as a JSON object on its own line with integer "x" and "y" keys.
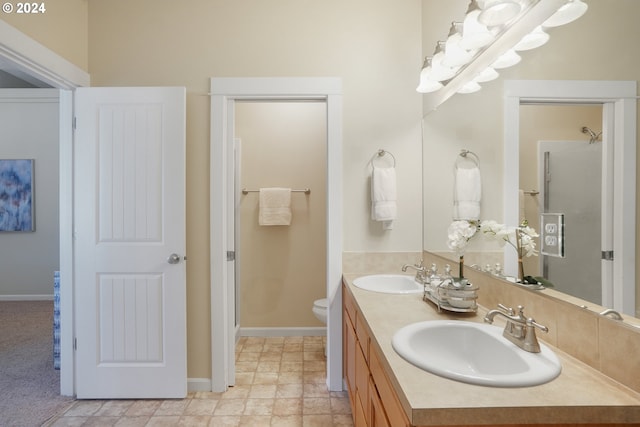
{"x": 520, "y": 270}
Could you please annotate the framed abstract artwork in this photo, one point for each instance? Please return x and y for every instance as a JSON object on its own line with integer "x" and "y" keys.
{"x": 16, "y": 195}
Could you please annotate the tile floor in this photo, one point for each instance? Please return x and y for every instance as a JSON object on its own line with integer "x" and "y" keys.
{"x": 279, "y": 382}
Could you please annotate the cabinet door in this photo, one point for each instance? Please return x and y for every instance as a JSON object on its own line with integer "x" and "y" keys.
{"x": 349, "y": 356}
{"x": 378, "y": 417}
{"x": 362, "y": 381}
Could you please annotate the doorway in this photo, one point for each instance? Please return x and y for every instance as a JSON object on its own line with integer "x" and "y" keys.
{"x": 224, "y": 93}
{"x": 280, "y": 269}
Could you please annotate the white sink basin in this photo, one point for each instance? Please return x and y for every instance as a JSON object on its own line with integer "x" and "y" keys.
{"x": 389, "y": 284}
{"x": 474, "y": 353}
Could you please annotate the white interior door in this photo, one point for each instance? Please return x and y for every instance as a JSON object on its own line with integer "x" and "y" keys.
{"x": 130, "y": 274}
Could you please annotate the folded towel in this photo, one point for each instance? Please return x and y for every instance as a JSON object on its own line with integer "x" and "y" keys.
{"x": 275, "y": 206}
{"x": 383, "y": 196}
{"x": 467, "y": 194}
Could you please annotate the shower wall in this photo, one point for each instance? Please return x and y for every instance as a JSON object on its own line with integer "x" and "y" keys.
{"x": 282, "y": 269}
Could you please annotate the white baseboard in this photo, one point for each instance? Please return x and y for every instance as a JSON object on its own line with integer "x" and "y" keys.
{"x": 26, "y": 297}
{"x": 198, "y": 384}
{"x": 283, "y": 332}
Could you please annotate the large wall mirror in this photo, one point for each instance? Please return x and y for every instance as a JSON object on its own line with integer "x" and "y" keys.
{"x": 581, "y": 51}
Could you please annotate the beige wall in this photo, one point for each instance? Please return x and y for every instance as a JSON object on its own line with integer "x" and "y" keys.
{"x": 373, "y": 45}
{"x": 282, "y": 268}
{"x": 61, "y": 28}
{"x": 601, "y": 45}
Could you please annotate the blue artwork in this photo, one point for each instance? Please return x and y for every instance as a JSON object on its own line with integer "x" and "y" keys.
{"x": 16, "y": 195}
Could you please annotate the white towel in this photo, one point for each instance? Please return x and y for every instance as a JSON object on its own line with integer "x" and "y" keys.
{"x": 467, "y": 194}
{"x": 275, "y": 206}
{"x": 384, "y": 196}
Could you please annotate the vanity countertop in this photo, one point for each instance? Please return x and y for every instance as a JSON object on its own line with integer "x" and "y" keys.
{"x": 580, "y": 394}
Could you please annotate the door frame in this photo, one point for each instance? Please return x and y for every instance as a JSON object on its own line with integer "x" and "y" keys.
{"x": 224, "y": 92}
{"x": 619, "y": 100}
{"x": 42, "y": 67}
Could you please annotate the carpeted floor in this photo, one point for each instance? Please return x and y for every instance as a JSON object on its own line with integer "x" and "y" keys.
{"x": 29, "y": 385}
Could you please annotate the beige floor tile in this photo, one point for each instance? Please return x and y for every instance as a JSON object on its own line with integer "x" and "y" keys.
{"x": 171, "y": 421}
{"x": 229, "y": 407}
{"x": 316, "y": 405}
{"x": 237, "y": 392}
{"x": 266, "y": 378}
{"x": 289, "y": 391}
{"x": 132, "y": 422}
{"x": 287, "y": 421}
{"x": 260, "y": 391}
{"x": 84, "y": 408}
{"x": 143, "y": 407}
{"x": 317, "y": 420}
{"x": 316, "y": 390}
{"x": 113, "y": 408}
{"x": 171, "y": 407}
{"x": 224, "y": 421}
{"x": 255, "y": 421}
{"x": 291, "y": 406}
{"x": 258, "y": 407}
{"x": 195, "y": 421}
{"x": 243, "y": 378}
{"x": 279, "y": 382}
{"x": 101, "y": 422}
{"x": 201, "y": 407}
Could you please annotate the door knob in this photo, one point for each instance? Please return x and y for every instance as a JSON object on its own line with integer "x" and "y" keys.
{"x": 173, "y": 259}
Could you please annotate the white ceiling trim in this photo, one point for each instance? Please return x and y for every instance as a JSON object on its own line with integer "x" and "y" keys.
{"x": 29, "y": 60}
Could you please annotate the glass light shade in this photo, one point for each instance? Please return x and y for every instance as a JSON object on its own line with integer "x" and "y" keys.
{"x": 498, "y": 12}
{"x": 507, "y": 59}
{"x": 568, "y": 12}
{"x": 470, "y": 87}
{"x": 439, "y": 71}
{"x": 486, "y": 75}
{"x": 534, "y": 39}
{"x": 427, "y": 84}
{"x": 454, "y": 54}
{"x": 474, "y": 34}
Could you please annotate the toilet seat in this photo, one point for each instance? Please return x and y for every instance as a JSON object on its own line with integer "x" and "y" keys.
{"x": 320, "y": 307}
{"x": 321, "y": 303}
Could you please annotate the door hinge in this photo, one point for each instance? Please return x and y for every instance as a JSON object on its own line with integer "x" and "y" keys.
{"x": 74, "y": 122}
{"x": 75, "y": 343}
{"x": 607, "y": 255}
{"x": 231, "y": 255}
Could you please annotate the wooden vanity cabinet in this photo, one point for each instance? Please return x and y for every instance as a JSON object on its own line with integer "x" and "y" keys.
{"x": 372, "y": 398}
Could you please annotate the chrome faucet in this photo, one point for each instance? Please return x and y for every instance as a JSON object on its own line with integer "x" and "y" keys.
{"x": 421, "y": 271}
{"x": 520, "y": 330}
{"x": 612, "y": 313}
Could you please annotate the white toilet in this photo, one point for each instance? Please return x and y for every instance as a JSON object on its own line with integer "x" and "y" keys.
{"x": 320, "y": 309}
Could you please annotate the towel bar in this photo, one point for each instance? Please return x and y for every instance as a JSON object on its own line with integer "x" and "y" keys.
{"x": 305, "y": 191}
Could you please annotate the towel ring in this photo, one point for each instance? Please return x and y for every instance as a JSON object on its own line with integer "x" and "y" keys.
{"x": 382, "y": 153}
{"x": 464, "y": 153}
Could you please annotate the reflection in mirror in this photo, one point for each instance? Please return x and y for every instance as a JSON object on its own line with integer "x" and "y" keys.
{"x": 563, "y": 175}
{"x": 476, "y": 121}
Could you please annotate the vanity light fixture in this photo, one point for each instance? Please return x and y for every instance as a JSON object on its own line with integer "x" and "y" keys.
{"x": 489, "y": 36}
{"x": 569, "y": 12}
{"x": 498, "y": 12}
{"x": 474, "y": 34}
{"x": 534, "y": 39}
